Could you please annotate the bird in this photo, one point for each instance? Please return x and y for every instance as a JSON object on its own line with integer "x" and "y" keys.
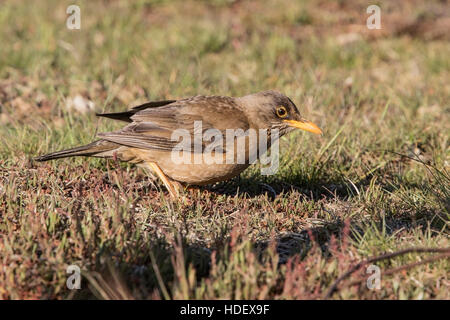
{"x": 152, "y": 136}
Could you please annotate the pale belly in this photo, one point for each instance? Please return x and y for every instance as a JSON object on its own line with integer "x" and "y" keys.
{"x": 201, "y": 174}
{"x": 194, "y": 172}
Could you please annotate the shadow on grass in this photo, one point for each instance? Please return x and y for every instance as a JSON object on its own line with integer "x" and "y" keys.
{"x": 312, "y": 189}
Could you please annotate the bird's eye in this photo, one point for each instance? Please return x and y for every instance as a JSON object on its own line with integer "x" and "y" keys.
{"x": 281, "y": 112}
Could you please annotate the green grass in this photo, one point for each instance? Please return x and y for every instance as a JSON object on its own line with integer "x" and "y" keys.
{"x": 377, "y": 181}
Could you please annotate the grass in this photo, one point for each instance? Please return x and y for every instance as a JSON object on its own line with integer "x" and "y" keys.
{"x": 376, "y": 182}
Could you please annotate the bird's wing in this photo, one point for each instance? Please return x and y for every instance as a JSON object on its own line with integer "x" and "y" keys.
{"x": 163, "y": 128}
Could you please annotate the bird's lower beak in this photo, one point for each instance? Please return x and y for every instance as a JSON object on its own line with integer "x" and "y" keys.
{"x": 304, "y": 125}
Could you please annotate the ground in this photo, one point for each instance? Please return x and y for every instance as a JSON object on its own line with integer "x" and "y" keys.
{"x": 376, "y": 182}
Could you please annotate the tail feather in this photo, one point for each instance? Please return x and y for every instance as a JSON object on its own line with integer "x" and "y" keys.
{"x": 99, "y": 148}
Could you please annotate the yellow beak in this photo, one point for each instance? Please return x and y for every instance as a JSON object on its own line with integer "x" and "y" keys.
{"x": 304, "y": 125}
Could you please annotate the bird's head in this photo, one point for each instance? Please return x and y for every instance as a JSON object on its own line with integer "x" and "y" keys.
{"x": 274, "y": 110}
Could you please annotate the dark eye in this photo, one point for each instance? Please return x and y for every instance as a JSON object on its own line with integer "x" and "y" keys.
{"x": 281, "y": 112}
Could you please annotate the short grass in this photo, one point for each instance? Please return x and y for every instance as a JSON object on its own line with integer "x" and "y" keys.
{"x": 376, "y": 182}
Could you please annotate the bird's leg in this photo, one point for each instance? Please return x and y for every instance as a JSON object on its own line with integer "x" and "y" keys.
{"x": 172, "y": 186}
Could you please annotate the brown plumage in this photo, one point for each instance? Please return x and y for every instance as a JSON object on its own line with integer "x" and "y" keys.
{"x": 148, "y": 138}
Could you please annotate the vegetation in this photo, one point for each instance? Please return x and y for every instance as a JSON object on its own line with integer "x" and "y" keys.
{"x": 376, "y": 182}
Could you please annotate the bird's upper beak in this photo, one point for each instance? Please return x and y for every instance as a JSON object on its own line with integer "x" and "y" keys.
{"x": 304, "y": 125}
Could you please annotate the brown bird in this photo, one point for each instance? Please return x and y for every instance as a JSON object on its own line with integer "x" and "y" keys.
{"x": 152, "y": 137}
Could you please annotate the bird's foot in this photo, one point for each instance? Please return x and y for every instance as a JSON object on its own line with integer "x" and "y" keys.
{"x": 174, "y": 187}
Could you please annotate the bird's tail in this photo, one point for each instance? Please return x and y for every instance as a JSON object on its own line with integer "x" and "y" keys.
{"x": 99, "y": 148}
